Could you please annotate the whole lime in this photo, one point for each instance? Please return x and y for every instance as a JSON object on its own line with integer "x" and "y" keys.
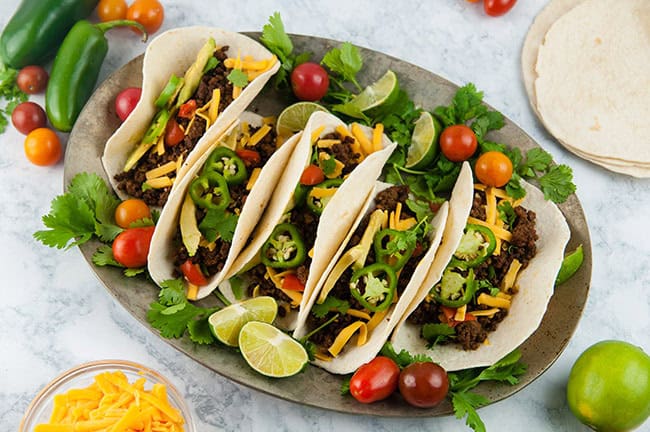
{"x": 609, "y": 386}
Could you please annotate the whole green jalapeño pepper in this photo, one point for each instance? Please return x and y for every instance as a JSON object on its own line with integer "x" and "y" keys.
{"x": 38, "y": 27}
{"x": 455, "y": 290}
{"x": 210, "y": 191}
{"x": 284, "y": 248}
{"x": 393, "y": 247}
{"x": 317, "y": 205}
{"x": 477, "y": 244}
{"x": 75, "y": 70}
{"x": 374, "y": 286}
{"x": 228, "y": 164}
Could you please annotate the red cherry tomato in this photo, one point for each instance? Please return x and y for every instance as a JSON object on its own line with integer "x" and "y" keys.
{"x": 312, "y": 175}
{"x": 292, "y": 283}
{"x": 173, "y": 133}
{"x": 423, "y": 384}
{"x": 131, "y": 210}
{"x": 375, "y": 380}
{"x": 32, "y": 79}
{"x": 149, "y": 13}
{"x": 28, "y": 116}
{"x": 493, "y": 168}
{"x": 458, "y": 143}
{"x": 43, "y": 147}
{"x": 110, "y": 10}
{"x": 131, "y": 246}
{"x": 250, "y": 157}
{"x": 309, "y": 81}
{"x": 498, "y": 7}
{"x": 193, "y": 274}
{"x": 126, "y": 101}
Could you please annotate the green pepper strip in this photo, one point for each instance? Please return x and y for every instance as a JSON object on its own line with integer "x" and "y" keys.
{"x": 317, "y": 205}
{"x": 170, "y": 90}
{"x": 284, "y": 248}
{"x": 485, "y": 253}
{"x": 210, "y": 191}
{"x": 379, "y": 290}
{"x": 228, "y": 164}
{"x": 383, "y": 244}
{"x": 471, "y": 286}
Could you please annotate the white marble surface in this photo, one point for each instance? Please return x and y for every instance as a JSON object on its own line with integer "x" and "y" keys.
{"x": 55, "y": 314}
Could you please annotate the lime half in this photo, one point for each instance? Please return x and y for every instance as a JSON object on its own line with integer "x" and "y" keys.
{"x": 227, "y": 322}
{"x": 382, "y": 92}
{"x": 294, "y": 117}
{"x": 424, "y": 142}
{"x": 270, "y": 351}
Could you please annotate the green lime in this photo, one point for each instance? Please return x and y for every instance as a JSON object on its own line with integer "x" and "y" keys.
{"x": 424, "y": 142}
{"x": 571, "y": 264}
{"x": 227, "y": 322}
{"x": 382, "y": 92}
{"x": 609, "y": 386}
{"x": 294, "y": 117}
{"x": 270, "y": 351}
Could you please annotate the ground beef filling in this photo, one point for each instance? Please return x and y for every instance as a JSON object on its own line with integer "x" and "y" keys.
{"x": 132, "y": 181}
{"x": 471, "y": 334}
{"x": 342, "y": 151}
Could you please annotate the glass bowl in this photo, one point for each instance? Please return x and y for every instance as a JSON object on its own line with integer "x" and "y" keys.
{"x": 81, "y": 376}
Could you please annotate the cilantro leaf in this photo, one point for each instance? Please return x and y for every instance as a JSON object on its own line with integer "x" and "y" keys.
{"x": 238, "y": 78}
{"x": 218, "y": 223}
{"x": 171, "y": 325}
{"x": 536, "y": 160}
{"x": 330, "y": 304}
{"x": 103, "y": 256}
{"x": 557, "y": 184}
{"x": 275, "y": 38}
{"x": 328, "y": 165}
{"x": 514, "y": 188}
{"x": 507, "y": 213}
{"x": 132, "y": 272}
{"x": 556, "y": 181}
{"x": 199, "y": 330}
{"x": 172, "y": 292}
{"x": 466, "y": 104}
{"x": 345, "y": 385}
{"x": 465, "y": 405}
{"x": 344, "y": 61}
{"x": 10, "y": 92}
{"x": 437, "y": 333}
{"x": 421, "y": 208}
{"x": 403, "y": 358}
{"x": 488, "y": 121}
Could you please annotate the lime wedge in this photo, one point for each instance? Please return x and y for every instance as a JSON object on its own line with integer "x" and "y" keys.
{"x": 424, "y": 142}
{"x": 382, "y": 92}
{"x": 270, "y": 351}
{"x": 294, "y": 117}
{"x": 227, "y": 322}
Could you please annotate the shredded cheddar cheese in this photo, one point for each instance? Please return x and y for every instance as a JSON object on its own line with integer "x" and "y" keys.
{"x": 361, "y": 137}
{"x": 316, "y": 133}
{"x": 257, "y": 136}
{"x": 346, "y": 334}
{"x": 377, "y": 133}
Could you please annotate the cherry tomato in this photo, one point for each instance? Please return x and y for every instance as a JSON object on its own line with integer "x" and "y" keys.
{"x": 131, "y": 246}
{"x": 109, "y": 10}
{"x": 292, "y": 283}
{"x": 498, "y": 7}
{"x": 423, "y": 384}
{"x": 149, "y": 13}
{"x": 131, "y": 210}
{"x": 493, "y": 168}
{"x": 193, "y": 274}
{"x": 126, "y": 101}
{"x": 309, "y": 81}
{"x": 43, "y": 147}
{"x": 250, "y": 157}
{"x": 173, "y": 133}
{"x": 458, "y": 143}
{"x": 32, "y": 79}
{"x": 312, "y": 175}
{"x": 375, "y": 380}
{"x": 28, "y": 116}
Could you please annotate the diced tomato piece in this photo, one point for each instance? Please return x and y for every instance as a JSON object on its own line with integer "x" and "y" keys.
{"x": 187, "y": 109}
{"x": 250, "y": 157}
{"x": 193, "y": 274}
{"x": 312, "y": 175}
{"x": 292, "y": 283}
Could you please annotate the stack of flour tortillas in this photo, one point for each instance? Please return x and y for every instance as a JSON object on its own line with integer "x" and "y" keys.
{"x": 586, "y": 67}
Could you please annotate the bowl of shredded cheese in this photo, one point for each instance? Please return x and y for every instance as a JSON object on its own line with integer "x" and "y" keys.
{"x": 115, "y": 395}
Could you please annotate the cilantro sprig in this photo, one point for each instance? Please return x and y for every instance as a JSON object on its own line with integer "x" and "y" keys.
{"x": 10, "y": 93}
{"x": 279, "y": 43}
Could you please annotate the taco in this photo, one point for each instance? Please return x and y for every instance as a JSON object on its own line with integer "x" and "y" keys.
{"x": 360, "y": 297}
{"x": 196, "y": 81}
{"x": 490, "y": 282}
{"x": 213, "y": 210}
{"x": 325, "y": 185}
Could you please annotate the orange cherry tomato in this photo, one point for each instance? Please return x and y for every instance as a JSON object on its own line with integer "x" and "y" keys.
{"x": 109, "y": 10}
{"x": 312, "y": 175}
{"x": 193, "y": 274}
{"x": 43, "y": 147}
{"x": 131, "y": 210}
{"x": 149, "y": 13}
{"x": 292, "y": 283}
{"x": 493, "y": 168}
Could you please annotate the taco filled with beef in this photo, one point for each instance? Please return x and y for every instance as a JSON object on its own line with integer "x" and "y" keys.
{"x": 324, "y": 188}
{"x": 386, "y": 257}
{"x": 196, "y": 82}
{"x": 213, "y": 210}
{"x": 491, "y": 280}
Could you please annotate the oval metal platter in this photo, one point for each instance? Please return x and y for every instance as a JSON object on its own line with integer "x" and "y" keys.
{"x": 315, "y": 387}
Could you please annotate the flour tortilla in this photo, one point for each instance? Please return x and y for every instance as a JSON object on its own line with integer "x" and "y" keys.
{"x": 593, "y": 79}
{"x": 337, "y": 217}
{"x": 163, "y": 246}
{"x": 172, "y": 53}
{"x": 536, "y": 284}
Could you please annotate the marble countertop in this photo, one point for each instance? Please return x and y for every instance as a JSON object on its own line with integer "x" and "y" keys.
{"x": 56, "y": 314}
